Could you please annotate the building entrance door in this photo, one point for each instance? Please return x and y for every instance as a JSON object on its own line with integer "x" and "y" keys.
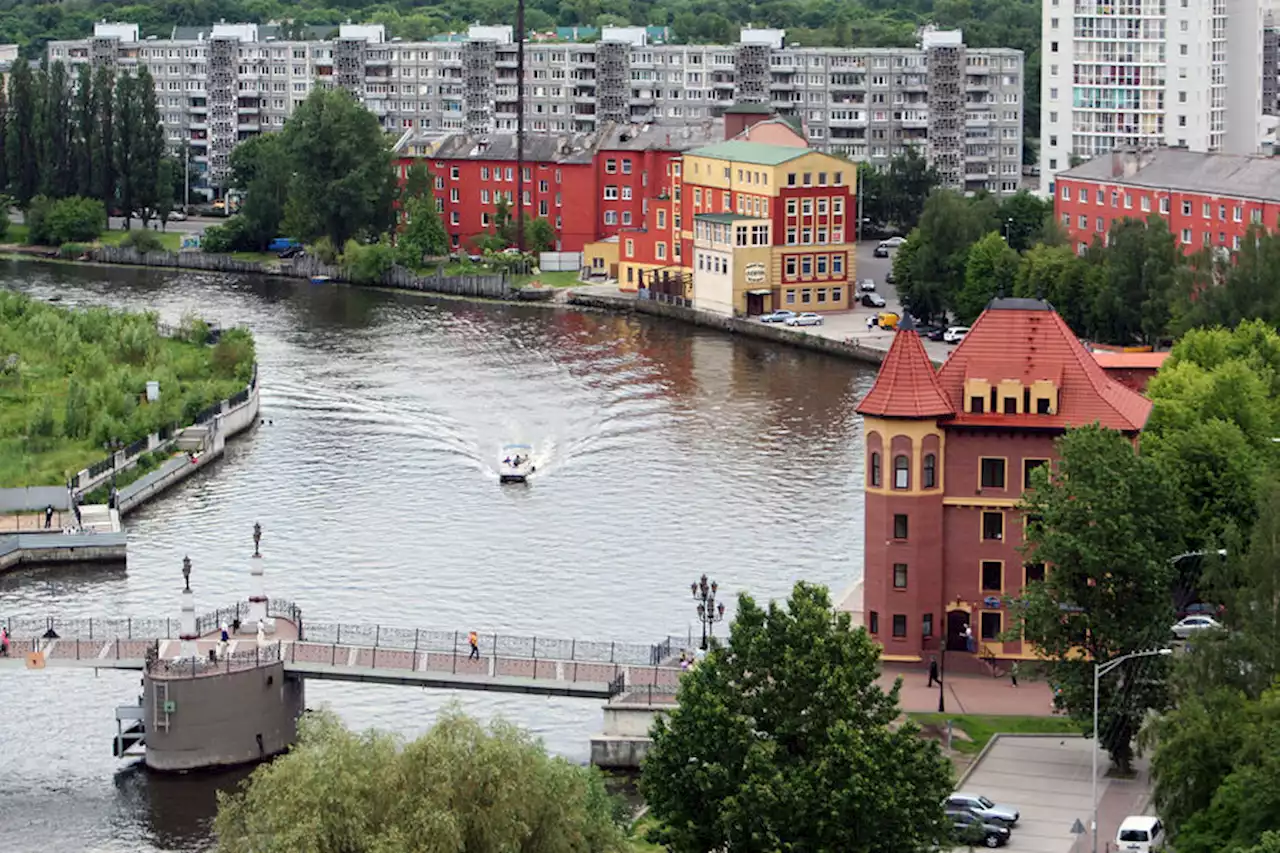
{"x": 957, "y": 621}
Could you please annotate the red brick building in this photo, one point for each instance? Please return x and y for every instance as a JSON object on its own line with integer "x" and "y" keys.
{"x": 1207, "y": 199}
{"x": 949, "y": 453}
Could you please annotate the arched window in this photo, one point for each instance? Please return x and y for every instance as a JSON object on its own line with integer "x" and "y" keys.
{"x": 901, "y": 472}
{"x": 930, "y": 471}
{"x": 875, "y": 469}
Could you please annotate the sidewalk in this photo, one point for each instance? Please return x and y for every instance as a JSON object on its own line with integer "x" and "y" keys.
{"x": 970, "y": 694}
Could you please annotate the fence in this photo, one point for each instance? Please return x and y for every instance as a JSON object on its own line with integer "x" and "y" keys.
{"x": 196, "y": 667}
{"x": 178, "y": 260}
{"x": 560, "y": 261}
{"x": 482, "y": 286}
{"x": 657, "y": 296}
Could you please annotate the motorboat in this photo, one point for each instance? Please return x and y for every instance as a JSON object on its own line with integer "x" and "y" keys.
{"x": 516, "y": 464}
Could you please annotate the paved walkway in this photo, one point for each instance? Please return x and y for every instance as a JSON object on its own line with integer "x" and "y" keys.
{"x": 1048, "y": 779}
{"x": 970, "y": 694}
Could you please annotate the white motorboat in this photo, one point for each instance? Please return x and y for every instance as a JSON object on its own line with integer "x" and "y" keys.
{"x": 517, "y": 463}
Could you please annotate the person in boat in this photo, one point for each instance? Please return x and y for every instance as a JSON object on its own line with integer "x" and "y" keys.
{"x": 507, "y": 461}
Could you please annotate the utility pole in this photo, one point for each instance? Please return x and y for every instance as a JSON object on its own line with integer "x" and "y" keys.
{"x": 520, "y": 125}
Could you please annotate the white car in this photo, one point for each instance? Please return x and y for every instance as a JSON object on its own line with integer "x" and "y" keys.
{"x": 893, "y": 242}
{"x": 955, "y": 334}
{"x": 177, "y": 216}
{"x": 867, "y": 285}
{"x": 1190, "y": 625}
{"x": 984, "y": 808}
{"x": 808, "y": 318}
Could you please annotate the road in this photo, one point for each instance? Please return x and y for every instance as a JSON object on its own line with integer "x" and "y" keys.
{"x": 194, "y": 225}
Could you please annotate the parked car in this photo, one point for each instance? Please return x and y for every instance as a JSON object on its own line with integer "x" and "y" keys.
{"x": 867, "y": 285}
{"x": 780, "y": 316}
{"x": 971, "y": 829}
{"x": 955, "y": 334}
{"x": 1190, "y": 625}
{"x": 893, "y": 242}
{"x": 1140, "y": 834}
{"x": 872, "y": 300}
{"x": 291, "y": 252}
{"x": 177, "y": 216}
{"x": 889, "y": 277}
{"x": 926, "y": 330}
{"x": 1201, "y": 609}
{"x": 937, "y": 333}
{"x": 808, "y": 318}
{"x": 882, "y": 251}
{"x": 983, "y": 808}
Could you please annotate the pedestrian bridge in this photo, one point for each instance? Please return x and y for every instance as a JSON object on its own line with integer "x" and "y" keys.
{"x": 373, "y": 654}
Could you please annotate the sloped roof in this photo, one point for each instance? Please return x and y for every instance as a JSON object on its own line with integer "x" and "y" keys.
{"x": 759, "y": 153}
{"x": 906, "y": 386}
{"x": 1177, "y": 169}
{"x": 1025, "y": 339}
{"x": 1130, "y": 360}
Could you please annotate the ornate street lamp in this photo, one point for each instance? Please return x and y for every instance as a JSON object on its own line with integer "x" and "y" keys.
{"x": 709, "y": 612}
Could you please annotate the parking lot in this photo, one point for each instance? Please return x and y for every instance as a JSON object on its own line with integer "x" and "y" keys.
{"x": 1047, "y": 778}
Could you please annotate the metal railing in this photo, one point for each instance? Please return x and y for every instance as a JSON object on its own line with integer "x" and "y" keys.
{"x": 654, "y": 693}
{"x": 197, "y": 667}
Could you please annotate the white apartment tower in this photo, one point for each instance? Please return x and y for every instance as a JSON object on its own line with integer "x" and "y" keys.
{"x": 1147, "y": 73}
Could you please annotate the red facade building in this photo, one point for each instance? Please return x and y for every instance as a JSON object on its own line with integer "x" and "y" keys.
{"x": 949, "y": 453}
{"x": 1208, "y": 200}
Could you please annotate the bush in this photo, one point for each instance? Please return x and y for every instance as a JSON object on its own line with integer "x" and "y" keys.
{"x": 231, "y": 236}
{"x": 233, "y": 355}
{"x": 143, "y": 241}
{"x": 71, "y": 251}
{"x": 366, "y": 264}
{"x": 67, "y": 220}
{"x": 324, "y": 251}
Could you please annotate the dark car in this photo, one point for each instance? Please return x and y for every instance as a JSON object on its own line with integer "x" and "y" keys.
{"x": 881, "y": 251}
{"x": 291, "y": 252}
{"x": 889, "y": 277}
{"x": 936, "y": 333}
{"x": 926, "y": 330}
{"x": 872, "y": 300}
{"x": 971, "y": 829}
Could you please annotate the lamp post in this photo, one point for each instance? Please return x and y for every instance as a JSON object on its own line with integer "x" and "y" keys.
{"x": 1007, "y": 223}
{"x": 1099, "y": 670}
{"x": 709, "y": 612}
{"x": 112, "y": 446}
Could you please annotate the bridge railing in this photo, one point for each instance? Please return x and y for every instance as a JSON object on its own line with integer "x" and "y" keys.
{"x": 196, "y": 667}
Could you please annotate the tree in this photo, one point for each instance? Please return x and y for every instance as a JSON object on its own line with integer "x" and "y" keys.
{"x": 4, "y": 158}
{"x": 910, "y": 183}
{"x": 1226, "y": 291}
{"x": 539, "y": 236}
{"x": 782, "y": 740}
{"x": 165, "y": 197}
{"x": 460, "y": 786}
{"x": 930, "y": 267}
{"x": 57, "y": 174}
{"x": 423, "y": 234}
{"x": 260, "y": 167}
{"x": 991, "y": 270}
{"x": 104, "y": 149}
{"x": 1102, "y": 522}
{"x": 21, "y": 149}
{"x": 128, "y": 151}
{"x": 1135, "y": 286}
{"x": 417, "y": 183}
{"x": 84, "y": 129}
{"x": 1058, "y": 274}
{"x": 343, "y": 184}
{"x": 1022, "y": 219}
{"x": 150, "y": 150}
{"x": 52, "y": 222}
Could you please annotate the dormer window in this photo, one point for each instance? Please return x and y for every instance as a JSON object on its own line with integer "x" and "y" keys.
{"x": 1043, "y": 406}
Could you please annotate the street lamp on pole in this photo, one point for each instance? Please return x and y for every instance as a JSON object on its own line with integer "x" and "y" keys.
{"x": 1099, "y": 670}
{"x": 709, "y": 612}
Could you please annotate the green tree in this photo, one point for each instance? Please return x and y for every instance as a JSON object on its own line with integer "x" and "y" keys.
{"x": 460, "y": 786}
{"x": 84, "y": 128}
{"x": 128, "y": 151}
{"x": 4, "y": 155}
{"x": 21, "y": 144}
{"x": 1102, "y": 521}
{"x": 75, "y": 423}
{"x": 1023, "y": 218}
{"x": 366, "y": 263}
{"x": 910, "y": 183}
{"x": 539, "y": 236}
{"x": 343, "y": 184}
{"x": 260, "y": 167}
{"x": 782, "y": 740}
{"x": 423, "y": 234}
{"x": 1137, "y": 276}
{"x": 150, "y": 149}
{"x": 52, "y": 222}
{"x": 417, "y": 183}
{"x": 1229, "y": 290}
{"x": 1058, "y": 274}
{"x": 57, "y": 172}
{"x": 164, "y": 197}
{"x": 990, "y": 271}
{"x": 930, "y": 268}
{"x": 104, "y": 148}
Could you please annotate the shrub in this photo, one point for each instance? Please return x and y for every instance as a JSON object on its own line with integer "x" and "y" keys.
{"x": 67, "y": 220}
{"x": 366, "y": 264}
{"x": 231, "y": 236}
{"x": 71, "y": 251}
{"x": 143, "y": 241}
{"x": 233, "y": 355}
{"x": 324, "y": 251}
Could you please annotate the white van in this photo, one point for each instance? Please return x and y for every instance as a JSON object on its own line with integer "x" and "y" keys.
{"x": 1140, "y": 834}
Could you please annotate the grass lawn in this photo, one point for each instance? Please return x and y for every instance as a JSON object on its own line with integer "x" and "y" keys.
{"x": 256, "y": 257}
{"x": 171, "y": 240}
{"x": 17, "y": 233}
{"x": 981, "y": 729}
{"x": 567, "y": 278}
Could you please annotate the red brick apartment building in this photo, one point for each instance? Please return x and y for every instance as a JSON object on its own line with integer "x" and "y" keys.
{"x": 949, "y": 452}
{"x": 1209, "y": 200}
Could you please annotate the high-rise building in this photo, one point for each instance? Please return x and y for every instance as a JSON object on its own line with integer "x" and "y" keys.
{"x": 961, "y": 107}
{"x": 1148, "y": 73}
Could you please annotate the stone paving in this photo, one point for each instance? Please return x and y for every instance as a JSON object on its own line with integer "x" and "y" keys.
{"x": 970, "y": 694}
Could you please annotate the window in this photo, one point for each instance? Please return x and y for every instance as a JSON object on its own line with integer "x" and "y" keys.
{"x": 1032, "y": 572}
{"x": 484, "y": 173}
{"x": 837, "y": 294}
{"x": 453, "y": 173}
{"x": 926, "y": 625}
{"x": 611, "y": 166}
{"x": 1042, "y": 406}
{"x": 611, "y": 193}
{"x": 930, "y": 471}
{"x": 791, "y": 179}
{"x": 991, "y": 624}
{"x": 873, "y": 622}
{"x": 993, "y": 525}
{"x": 837, "y": 264}
{"x": 901, "y": 472}
{"x": 900, "y": 526}
{"x": 992, "y": 576}
{"x": 791, "y": 267}
{"x": 976, "y": 404}
{"x": 1029, "y": 465}
{"x": 899, "y": 575}
{"x": 875, "y": 457}
{"x": 899, "y": 619}
{"x": 992, "y": 473}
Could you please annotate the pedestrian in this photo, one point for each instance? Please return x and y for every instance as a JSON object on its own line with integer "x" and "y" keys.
{"x": 48, "y": 516}
{"x": 933, "y": 672}
{"x": 474, "y": 640}
{"x": 4, "y": 641}
{"x": 1013, "y": 673}
{"x": 968, "y": 638}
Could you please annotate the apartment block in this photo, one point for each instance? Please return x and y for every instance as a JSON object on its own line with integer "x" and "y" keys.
{"x": 960, "y": 107}
{"x": 1149, "y": 73}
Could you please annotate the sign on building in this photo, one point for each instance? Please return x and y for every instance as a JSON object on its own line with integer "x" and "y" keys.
{"x": 754, "y": 273}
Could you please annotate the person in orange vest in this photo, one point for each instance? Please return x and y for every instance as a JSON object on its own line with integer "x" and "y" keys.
{"x": 475, "y": 646}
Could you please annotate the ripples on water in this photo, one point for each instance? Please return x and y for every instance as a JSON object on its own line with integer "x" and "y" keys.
{"x": 662, "y": 452}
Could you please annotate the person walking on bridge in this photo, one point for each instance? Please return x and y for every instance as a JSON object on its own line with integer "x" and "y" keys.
{"x": 474, "y": 640}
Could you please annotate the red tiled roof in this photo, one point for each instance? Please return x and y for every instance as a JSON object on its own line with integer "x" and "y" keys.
{"x": 1025, "y": 339}
{"x": 1130, "y": 360}
{"x": 906, "y": 386}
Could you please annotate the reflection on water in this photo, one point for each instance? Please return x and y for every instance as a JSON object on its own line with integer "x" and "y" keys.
{"x": 664, "y": 452}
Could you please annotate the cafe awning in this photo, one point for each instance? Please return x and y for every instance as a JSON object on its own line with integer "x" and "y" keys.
{"x": 760, "y": 292}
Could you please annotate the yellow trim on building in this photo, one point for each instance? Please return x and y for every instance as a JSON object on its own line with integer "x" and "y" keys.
{"x": 983, "y": 503}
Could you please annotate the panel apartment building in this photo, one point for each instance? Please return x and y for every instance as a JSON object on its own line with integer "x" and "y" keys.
{"x": 960, "y": 107}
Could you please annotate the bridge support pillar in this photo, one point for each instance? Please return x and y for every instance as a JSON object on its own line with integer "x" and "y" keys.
{"x": 625, "y": 740}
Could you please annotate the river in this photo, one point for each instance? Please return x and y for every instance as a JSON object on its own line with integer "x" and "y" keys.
{"x": 663, "y": 452}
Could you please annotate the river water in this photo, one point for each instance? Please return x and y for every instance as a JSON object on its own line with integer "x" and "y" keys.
{"x": 663, "y": 452}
